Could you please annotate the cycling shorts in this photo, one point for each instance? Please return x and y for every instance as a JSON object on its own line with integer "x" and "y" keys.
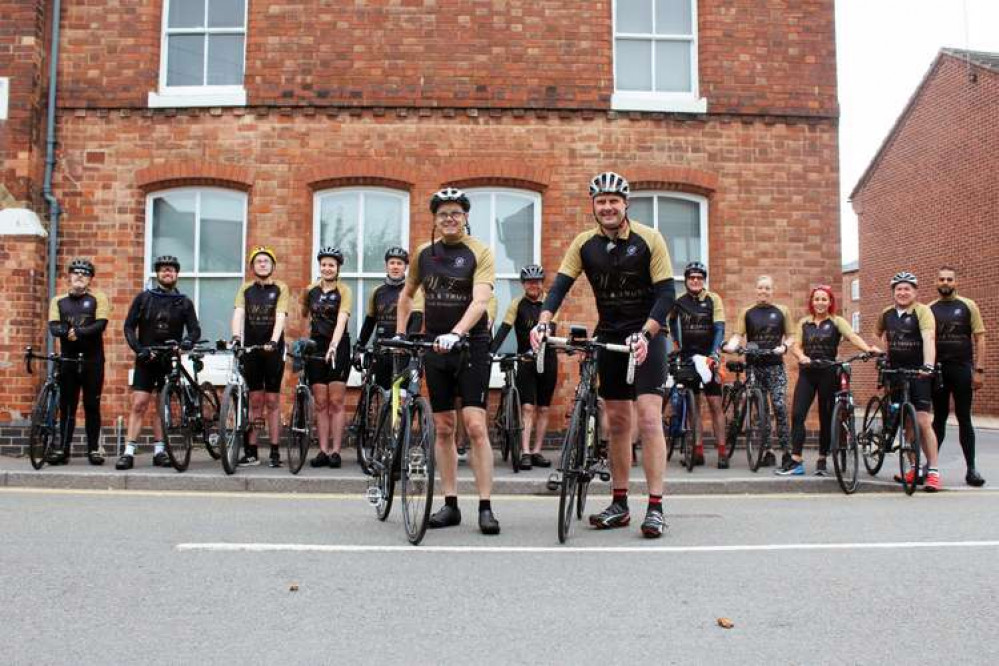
{"x": 464, "y": 376}
{"x": 263, "y": 370}
{"x": 650, "y": 377}
{"x": 537, "y": 388}
{"x": 320, "y": 372}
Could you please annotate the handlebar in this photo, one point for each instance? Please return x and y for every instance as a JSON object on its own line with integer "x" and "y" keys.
{"x": 750, "y": 352}
{"x": 526, "y": 357}
{"x": 29, "y": 355}
{"x": 587, "y": 345}
{"x": 826, "y": 363}
{"x": 413, "y": 346}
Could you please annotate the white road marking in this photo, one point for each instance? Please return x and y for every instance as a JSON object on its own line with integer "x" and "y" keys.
{"x": 743, "y": 548}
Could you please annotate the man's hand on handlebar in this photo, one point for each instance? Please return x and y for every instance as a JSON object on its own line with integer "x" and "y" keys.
{"x": 639, "y": 347}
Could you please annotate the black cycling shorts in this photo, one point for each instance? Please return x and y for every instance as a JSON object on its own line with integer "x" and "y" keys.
{"x": 320, "y": 372}
{"x": 447, "y": 377}
{"x": 920, "y": 393}
{"x": 263, "y": 370}
{"x": 537, "y": 388}
{"x": 650, "y": 377}
{"x": 151, "y": 375}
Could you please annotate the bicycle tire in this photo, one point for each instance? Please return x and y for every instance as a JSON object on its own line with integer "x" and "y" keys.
{"x": 570, "y": 464}
{"x": 668, "y": 436}
{"x": 844, "y": 448}
{"x": 416, "y": 491}
{"x": 363, "y": 425}
{"x": 498, "y": 427}
{"x": 300, "y": 430}
{"x": 757, "y": 421}
{"x": 43, "y": 432}
{"x": 210, "y": 419}
{"x": 687, "y": 430}
{"x": 590, "y": 442}
{"x": 514, "y": 428}
{"x": 730, "y": 403}
{"x": 384, "y": 461}
{"x": 909, "y": 449}
{"x": 231, "y": 427}
{"x": 872, "y": 438}
{"x": 178, "y": 432}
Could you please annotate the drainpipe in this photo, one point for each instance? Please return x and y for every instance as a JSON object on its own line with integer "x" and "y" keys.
{"x": 50, "y": 146}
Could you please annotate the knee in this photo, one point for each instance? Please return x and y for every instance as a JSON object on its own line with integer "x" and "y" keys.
{"x": 476, "y": 430}
{"x": 649, "y": 421}
{"x": 527, "y": 410}
{"x": 335, "y": 405}
{"x": 619, "y": 421}
{"x": 272, "y": 402}
{"x": 444, "y": 430}
{"x": 321, "y": 402}
{"x": 139, "y": 403}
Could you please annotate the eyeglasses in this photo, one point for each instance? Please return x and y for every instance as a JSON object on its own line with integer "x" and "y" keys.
{"x": 695, "y": 276}
{"x": 80, "y": 272}
{"x": 456, "y": 215}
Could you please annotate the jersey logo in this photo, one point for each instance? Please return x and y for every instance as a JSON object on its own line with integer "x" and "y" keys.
{"x": 632, "y": 250}
{"x": 272, "y": 296}
{"x": 957, "y": 312}
{"x": 773, "y": 315}
{"x": 459, "y": 261}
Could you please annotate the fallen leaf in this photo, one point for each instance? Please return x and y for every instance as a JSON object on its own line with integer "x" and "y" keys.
{"x": 725, "y": 623}
{"x": 293, "y": 587}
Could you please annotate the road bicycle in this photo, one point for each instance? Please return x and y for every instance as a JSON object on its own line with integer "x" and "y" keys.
{"x": 303, "y": 412}
{"x": 44, "y": 435}
{"x": 682, "y": 423}
{"x": 187, "y": 409}
{"x": 507, "y": 424}
{"x": 234, "y": 413}
{"x": 361, "y": 431}
{"x": 747, "y": 411}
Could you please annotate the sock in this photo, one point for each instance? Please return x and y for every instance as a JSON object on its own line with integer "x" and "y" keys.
{"x": 451, "y": 501}
{"x": 130, "y": 449}
{"x": 656, "y": 502}
{"x": 485, "y": 505}
{"x": 721, "y": 450}
{"x": 699, "y": 450}
{"x": 932, "y": 470}
{"x": 251, "y": 450}
{"x": 159, "y": 447}
{"x": 275, "y": 451}
{"x": 621, "y": 496}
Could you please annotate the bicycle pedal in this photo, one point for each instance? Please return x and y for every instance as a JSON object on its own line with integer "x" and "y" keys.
{"x": 373, "y": 495}
{"x": 417, "y": 463}
{"x": 554, "y": 480}
{"x": 605, "y": 477}
{"x": 213, "y": 439}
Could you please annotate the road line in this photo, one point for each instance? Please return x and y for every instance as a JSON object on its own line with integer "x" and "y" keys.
{"x": 744, "y": 548}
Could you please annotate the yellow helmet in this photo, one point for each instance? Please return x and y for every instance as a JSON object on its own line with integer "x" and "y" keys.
{"x": 262, "y": 249}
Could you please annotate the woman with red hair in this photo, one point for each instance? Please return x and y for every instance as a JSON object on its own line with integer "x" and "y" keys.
{"x": 817, "y": 336}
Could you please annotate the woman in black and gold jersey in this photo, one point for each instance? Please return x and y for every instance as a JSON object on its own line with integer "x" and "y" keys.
{"x": 327, "y": 303}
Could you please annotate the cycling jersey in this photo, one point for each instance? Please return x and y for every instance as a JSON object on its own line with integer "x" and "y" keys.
{"x": 382, "y": 308}
{"x": 820, "y": 341}
{"x": 87, "y": 314}
{"x": 957, "y": 319}
{"x": 261, "y": 303}
{"x": 693, "y": 321}
{"x": 447, "y": 272}
{"x": 324, "y": 307}
{"x": 904, "y": 333}
{"x": 766, "y": 325}
{"x": 521, "y": 317}
{"x": 158, "y": 315}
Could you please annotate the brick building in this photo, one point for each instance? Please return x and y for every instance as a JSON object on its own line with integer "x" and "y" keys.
{"x": 931, "y": 195}
{"x": 849, "y": 307}
{"x": 201, "y": 127}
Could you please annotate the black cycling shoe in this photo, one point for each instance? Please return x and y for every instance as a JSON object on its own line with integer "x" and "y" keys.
{"x": 125, "y": 462}
{"x": 786, "y": 459}
{"x": 768, "y": 460}
{"x": 616, "y": 515}
{"x": 161, "y": 459}
{"x": 487, "y": 522}
{"x": 525, "y": 462}
{"x": 974, "y": 479}
{"x": 698, "y": 458}
{"x": 447, "y": 516}
{"x": 95, "y": 457}
{"x": 57, "y": 458}
{"x": 275, "y": 461}
{"x": 539, "y": 460}
{"x": 654, "y": 524}
{"x": 335, "y": 460}
{"x": 321, "y": 460}
{"x": 722, "y": 462}
{"x": 820, "y": 467}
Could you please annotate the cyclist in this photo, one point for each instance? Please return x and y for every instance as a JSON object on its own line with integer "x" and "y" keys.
{"x": 535, "y": 389}
{"x": 327, "y": 303}
{"x": 697, "y": 325}
{"x": 258, "y": 318}
{"x": 769, "y": 327}
{"x": 817, "y": 338}
{"x": 157, "y": 315}
{"x": 961, "y": 354}
{"x": 908, "y": 329}
{"x": 457, "y": 277}
{"x": 628, "y": 267}
{"x": 78, "y": 319}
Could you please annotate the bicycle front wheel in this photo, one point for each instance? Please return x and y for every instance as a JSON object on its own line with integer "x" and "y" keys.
{"x": 178, "y": 434}
{"x": 383, "y": 464}
{"x": 688, "y": 419}
{"x": 365, "y": 421}
{"x": 298, "y": 440}
{"x": 417, "y": 469}
{"x": 908, "y": 450}
{"x": 846, "y": 458}
{"x": 44, "y": 432}
{"x": 872, "y": 439}
{"x": 571, "y": 467}
{"x": 730, "y": 408}
{"x": 210, "y": 419}
{"x": 514, "y": 428}
{"x": 230, "y": 428}
{"x": 757, "y": 424}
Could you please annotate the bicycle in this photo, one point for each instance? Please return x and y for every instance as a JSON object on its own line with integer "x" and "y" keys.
{"x": 43, "y": 435}
{"x": 403, "y": 446}
{"x": 186, "y": 408}
{"x": 508, "y": 428}
{"x": 303, "y": 410}
{"x": 890, "y": 425}
{"x": 683, "y": 409}
{"x": 750, "y": 409}
{"x": 361, "y": 431}
{"x": 234, "y": 414}
{"x": 583, "y": 458}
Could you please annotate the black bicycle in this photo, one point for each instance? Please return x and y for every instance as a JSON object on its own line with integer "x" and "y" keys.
{"x": 361, "y": 431}
{"x": 188, "y": 409}
{"x": 748, "y": 410}
{"x": 234, "y": 413}
{"x": 683, "y": 417}
{"x": 303, "y": 411}
{"x": 44, "y": 433}
{"x": 583, "y": 457}
{"x": 507, "y": 423}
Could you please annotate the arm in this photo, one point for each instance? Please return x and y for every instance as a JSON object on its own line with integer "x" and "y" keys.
{"x": 674, "y": 331}
{"x": 553, "y": 301}
{"x": 367, "y": 328}
{"x": 238, "y": 316}
{"x": 57, "y": 327}
{"x": 719, "y": 338}
{"x": 192, "y": 324}
{"x": 132, "y": 324}
{"x": 661, "y": 273}
{"x": 404, "y": 307}
{"x": 94, "y": 328}
{"x": 341, "y": 326}
{"x": 481, "y": 293}
{"x": 501, "y": 333}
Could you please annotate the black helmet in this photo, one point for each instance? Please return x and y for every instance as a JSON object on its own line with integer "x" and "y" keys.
{"x": 695, "y": 267}
{"x": 532, "y": 272}
{"x": 331, "y": 252}
{"x": 449, "y": 194}
{"x": 904, "y": 276}
{"x": 609, "y": 182}
{"x": 82, "y": 265}
{"x": 396, "y": 252}
{"x": 166, "y": 260}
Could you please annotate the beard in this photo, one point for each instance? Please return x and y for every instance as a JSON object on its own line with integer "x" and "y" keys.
{"x": 945, "y": 291}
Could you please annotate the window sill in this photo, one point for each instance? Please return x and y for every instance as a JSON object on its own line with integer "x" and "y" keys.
{"x": 662, "y": 102}
{"x": 198, "y": 96}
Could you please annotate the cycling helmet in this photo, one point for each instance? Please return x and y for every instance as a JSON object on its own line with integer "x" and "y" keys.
{"x": 532, "y": 272}
{"x": 449, "y": 194}
{"x": 166, "y": 260}
{"x": 262, "y": 249}
{"x": 609, "y": 182}
{"x": 396, "y": 252}
{"x": 695, "y": 267}
{"x": 904, "y": 276}
{"x": 82, "y": 265}
{"x": 332, "y": 253}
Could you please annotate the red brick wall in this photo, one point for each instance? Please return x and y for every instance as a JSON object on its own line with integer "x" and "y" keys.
{"x": 933, "y": 198}
{"x": 22, "y": 323}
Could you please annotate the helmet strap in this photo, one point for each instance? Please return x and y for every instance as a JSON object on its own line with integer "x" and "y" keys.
{"x": 394, "y": 282}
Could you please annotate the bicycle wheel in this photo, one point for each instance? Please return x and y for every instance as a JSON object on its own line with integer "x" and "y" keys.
{"x": 210, "y": 419}
{"x": 730, "y": 408}
{"x": 231, "y": 426}
{"x": 300, "y": 430}
{"x": 590, "y": 442}
{"x": 178, "y": 433}
{"x": 44, "y": 431}
{"x": 688, "y": 419}
{"x": 383, "y": 464}
{"x": 571, "y": 467}
{"x": 417, "y": 469}
{"x": 844, "y": 447}
{"x": 757, "y": 424}
{"x": 872, "y": 440}
{"x": 363, "y": 426}
{"x": 514, "y": 427}
{"x": 497, "y": 427}
{"x": 909, "y": 449}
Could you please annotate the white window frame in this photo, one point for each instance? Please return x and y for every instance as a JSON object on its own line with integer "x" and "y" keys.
{"x": 649, "y": 100}
{"x": 197, "y": 96}
{"x": 360, "y": 303}
{"x": 216, "y": 369}
{"x": 855, "y": 321}
{"x": 855, "y": 289}
{"x": 702, "y": 203}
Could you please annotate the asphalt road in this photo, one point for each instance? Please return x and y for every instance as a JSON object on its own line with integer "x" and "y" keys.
{"x": 122, "y": 578}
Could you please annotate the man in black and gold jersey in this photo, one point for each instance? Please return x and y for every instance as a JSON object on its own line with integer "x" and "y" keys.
{"x": 261, "y": 310}
{"x": 909, "y": 331}
{"x": 457, "y": 276}
{"x": 961, "y": 356}
{"x": 769, "y": 327}
{"x": 327, "y": 304}
{"x": 628, "y": 267}
{"x": 535, "y": 388}
{"x": 697, "y": 324}
{"x": 78, "y": 320}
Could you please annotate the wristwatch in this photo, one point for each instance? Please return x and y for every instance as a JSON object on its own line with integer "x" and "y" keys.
{"x": 647, "y": 334}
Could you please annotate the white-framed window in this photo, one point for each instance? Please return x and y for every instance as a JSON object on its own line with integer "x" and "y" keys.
{"x": 202, "y": 54}
{"x": 682, "y": 219}
{"x": 855, "y": 290}
{"x": 855, "y": 322}
{"x": 655, "y": 56}
{"x": 205, "y": 228}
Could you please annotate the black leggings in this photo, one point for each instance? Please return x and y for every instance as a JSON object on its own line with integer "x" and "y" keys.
{"x": 955, "y": 379}
{"x": 90, "y": 380}
{"x": 810, "y": 382}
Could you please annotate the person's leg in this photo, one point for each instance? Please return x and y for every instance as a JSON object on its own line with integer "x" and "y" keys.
{"x": 619, "y": 424}
{"x": 337, "y": 411}
{"x": 804, "y": 393}
{"x": 93, "y": 387}
{"x": 258, "y": 413}
{"x": 527, "y": 421}
{"x": 941, "y": 406}
{"x": 961, "y": 381}
{"x": 827, "y": 399}
{"x": 649, "y": 407}
{"x": 717, "y": 422}
{"x": 447, "y": 455}
{"x": 69, "y": 398}
{"x": 482, "y": 453}
{"x": 321, "y": 403}
{"x": 540, "y": 430}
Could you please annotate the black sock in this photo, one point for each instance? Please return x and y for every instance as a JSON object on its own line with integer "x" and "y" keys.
{"x": 275, "y": 451}
{"x": 451, "y": 501}
{"x": 621, "y": 496}
{"x": 251, "y": 450}
{"x": 485, "y": 505}
{"x": 656, "y": 502}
